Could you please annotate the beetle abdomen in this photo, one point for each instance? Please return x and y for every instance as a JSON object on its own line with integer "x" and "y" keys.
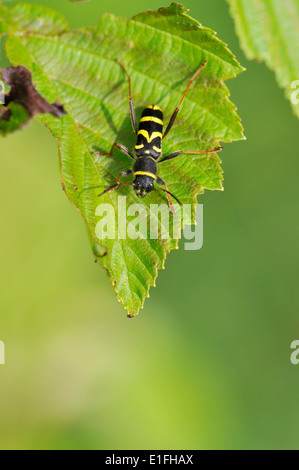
{"x": 149, "y": 136}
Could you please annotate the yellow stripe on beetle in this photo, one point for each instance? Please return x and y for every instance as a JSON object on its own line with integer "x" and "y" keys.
{"x": 146, "y": 135}
{"x": 145, "y": 173}
{"x": 137, "y": 147}
{"x": 153, "y": 119}
{"x": 156, "y": 149}
{"x": 155, "y": 107}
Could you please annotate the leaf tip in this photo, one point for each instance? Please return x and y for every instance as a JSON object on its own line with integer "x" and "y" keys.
{"x": 175, "y": 7}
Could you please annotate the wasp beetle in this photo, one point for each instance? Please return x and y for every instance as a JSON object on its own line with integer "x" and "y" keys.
{"x": 148, "y": 148}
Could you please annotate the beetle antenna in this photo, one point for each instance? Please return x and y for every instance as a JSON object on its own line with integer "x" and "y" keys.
{"x": 113, "y": 187}
{"x": 172, "y": 195}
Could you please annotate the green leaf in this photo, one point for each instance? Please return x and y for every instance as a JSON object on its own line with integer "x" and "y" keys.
{"x": 269, "y": 31}
{"x": 2, "y": 23}
{"x": 161, "y": 51}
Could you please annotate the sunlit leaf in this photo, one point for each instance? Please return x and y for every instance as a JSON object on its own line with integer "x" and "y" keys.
{"x": 161, "y": 51}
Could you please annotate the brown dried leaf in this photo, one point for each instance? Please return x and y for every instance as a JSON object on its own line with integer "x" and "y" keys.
{"x": 23, "y": 92}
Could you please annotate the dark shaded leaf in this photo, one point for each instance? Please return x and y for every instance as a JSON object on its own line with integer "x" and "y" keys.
{"x": 22, "y": 92}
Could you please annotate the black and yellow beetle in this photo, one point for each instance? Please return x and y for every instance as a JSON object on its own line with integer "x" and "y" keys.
{"x": 148, "y": 148}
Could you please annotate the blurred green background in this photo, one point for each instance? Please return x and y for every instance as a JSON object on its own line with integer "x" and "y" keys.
{"x": 206, "y": 365}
